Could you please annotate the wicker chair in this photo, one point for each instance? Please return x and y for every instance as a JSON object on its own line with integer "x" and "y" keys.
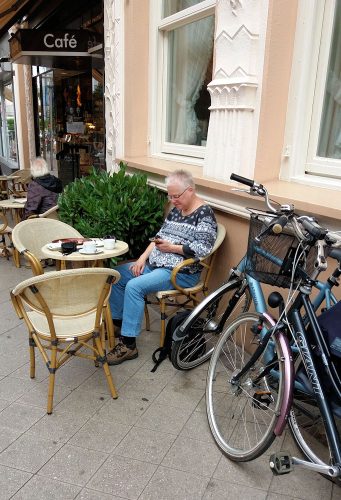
{"x": 63, "y": 311}
{"x": 5, "y": 231}
{"x": 30, "y": 235}
{"x": 19, "y": 181}
{"x": 167, "y": 300}
{"x": 51, "y": 213}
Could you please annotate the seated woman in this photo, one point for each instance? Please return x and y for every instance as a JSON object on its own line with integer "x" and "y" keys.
{"x": 189, "y": 230}
{"x": 43, "y": 190}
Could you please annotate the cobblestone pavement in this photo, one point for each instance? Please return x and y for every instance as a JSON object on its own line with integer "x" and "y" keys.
{"x": 153, "y": 442}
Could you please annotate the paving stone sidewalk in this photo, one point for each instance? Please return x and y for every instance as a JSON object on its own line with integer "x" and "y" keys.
{"x": 152, "y": 443}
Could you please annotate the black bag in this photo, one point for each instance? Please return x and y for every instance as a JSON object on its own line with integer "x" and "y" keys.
{"x": 68, "y": 247}
{"x": 166, "y": 350}
{"x": 330, "y": 324}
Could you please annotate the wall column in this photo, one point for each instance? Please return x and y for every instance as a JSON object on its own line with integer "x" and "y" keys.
{"x": 236, "y": 88}
{"x": 113, "y": 90}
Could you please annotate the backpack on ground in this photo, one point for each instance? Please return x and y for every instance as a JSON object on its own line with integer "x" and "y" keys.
{"x": 166, "y": 350}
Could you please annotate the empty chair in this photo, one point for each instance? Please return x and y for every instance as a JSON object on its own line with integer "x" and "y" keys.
{"x": 63, "y": 311}
{"x": 19, "y": 181}
{"x": 167, "y": 299}
{"x": 31, "y": 235}
{"x": 5, "y": 231}
{"x": 51, "y": 213}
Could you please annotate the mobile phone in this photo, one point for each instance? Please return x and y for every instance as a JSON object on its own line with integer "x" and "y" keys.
{"x": 155, "y": 239}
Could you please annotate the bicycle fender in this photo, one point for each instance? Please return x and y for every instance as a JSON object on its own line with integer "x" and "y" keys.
{"x": 289, "y": 376}
{"x": 178, "y": 333}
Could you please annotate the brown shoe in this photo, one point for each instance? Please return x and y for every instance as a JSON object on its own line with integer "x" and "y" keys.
{"x": 121, "y": 353}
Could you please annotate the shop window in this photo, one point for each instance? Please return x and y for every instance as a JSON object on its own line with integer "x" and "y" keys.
{"x": 69, "y": 118}
{"x": 185, "y": 34}
{"x": 312, "y": 153}
{"x": 8, "y": 139}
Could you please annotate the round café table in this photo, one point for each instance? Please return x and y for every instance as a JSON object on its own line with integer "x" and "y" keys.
{"x": 16, "y": 206}
{"x": 97, "y": 259}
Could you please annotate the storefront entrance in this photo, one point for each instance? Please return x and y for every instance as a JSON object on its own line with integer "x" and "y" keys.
{"x": 69, "y": 120}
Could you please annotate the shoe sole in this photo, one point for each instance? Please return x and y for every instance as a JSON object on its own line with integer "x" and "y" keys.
{"x": 119, "y": 361}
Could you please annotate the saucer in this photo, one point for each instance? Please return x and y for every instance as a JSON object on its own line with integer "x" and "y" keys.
{"x": 54, "y": 246}
{"x": 82, "y": 251}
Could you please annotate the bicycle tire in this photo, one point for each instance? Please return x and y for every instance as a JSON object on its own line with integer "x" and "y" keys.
{"x": 242, "y": 417}
{"x": 202, "y": 328}
{"x": 307, "y": 427}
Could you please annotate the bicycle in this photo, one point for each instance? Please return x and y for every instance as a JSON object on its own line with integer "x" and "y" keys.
{"x": 261, "y": 368}
{"x": 195, "y": 339}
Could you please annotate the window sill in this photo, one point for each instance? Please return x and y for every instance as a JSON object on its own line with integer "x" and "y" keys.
{"x": 322, "y": 203}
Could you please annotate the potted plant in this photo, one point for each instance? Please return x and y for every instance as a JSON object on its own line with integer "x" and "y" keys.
{"x": 116, "y": 204}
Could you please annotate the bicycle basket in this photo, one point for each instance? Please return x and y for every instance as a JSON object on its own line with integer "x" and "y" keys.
{"x": 281, "y": 248}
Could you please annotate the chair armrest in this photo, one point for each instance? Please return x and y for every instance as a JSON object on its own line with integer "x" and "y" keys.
{"x": 177, "y": 269}
{"x": 35, "y": 264}
{"x": 16, "y": 305}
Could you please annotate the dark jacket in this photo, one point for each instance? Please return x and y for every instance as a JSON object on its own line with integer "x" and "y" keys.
{"x": 42, "y": 194}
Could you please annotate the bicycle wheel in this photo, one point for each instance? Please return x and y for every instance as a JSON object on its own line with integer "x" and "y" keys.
{"x": 204, "y": 325}
{"x": 242, "y": 416}
{"x": 306, "y": 424}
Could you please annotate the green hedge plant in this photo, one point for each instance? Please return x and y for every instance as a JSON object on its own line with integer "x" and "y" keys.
{"x": 119, "y": 204}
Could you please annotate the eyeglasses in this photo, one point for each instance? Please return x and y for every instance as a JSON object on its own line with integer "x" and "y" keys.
{"x": 177, "y": 196}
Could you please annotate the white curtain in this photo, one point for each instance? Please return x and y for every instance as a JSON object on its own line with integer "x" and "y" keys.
{"x": 190, "y": 52}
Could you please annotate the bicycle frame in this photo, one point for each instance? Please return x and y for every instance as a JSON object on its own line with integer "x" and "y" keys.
{"x": 307, "y": 356}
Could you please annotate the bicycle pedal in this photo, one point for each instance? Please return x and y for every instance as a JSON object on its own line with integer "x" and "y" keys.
{"x": 281, "y": 463}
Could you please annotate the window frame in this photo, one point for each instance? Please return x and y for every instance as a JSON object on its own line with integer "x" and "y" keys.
{"x": 160, "y": 27}
{"x": 306, "y": 96}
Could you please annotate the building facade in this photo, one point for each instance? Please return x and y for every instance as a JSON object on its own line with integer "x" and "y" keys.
{"x": 221, "y": 86}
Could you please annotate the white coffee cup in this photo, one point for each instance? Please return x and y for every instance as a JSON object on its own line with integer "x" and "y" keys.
{"x": 109, "y": 244}
{"x": 89, "y": 247}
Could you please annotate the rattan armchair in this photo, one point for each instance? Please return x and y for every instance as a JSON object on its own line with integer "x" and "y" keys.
{"x": 18, "y": 182}
{"x": 63, "y": 311}
{"x": 168, "y": 300}
{"x": 30, "y": 235}
{"x": 51, "y": 213}
{"x": 5, "y": 231}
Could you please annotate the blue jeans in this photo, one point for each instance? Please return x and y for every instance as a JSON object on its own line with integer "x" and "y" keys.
{"x": 127, "y": 296}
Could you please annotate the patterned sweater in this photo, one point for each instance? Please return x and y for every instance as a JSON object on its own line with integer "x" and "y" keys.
{"x": 197, "y": 233}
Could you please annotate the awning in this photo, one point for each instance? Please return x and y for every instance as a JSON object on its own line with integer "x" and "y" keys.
{"x": 9, "y": 10}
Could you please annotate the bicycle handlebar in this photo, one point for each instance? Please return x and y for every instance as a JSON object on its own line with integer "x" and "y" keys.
{"x": 313, "y": 228}
{"x": 242, "y": 180}
{"x": 301, "y": 224}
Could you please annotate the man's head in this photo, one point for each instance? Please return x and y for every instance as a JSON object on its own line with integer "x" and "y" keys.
{"x": 39, "y": 167}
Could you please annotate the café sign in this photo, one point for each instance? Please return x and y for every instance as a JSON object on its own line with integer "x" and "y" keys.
{"x": 45, "y": 48}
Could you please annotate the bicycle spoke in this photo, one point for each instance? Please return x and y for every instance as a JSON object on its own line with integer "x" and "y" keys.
{"x": 242, "y": 414}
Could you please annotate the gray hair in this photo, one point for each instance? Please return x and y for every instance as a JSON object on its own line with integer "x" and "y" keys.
{"x": 39, "y": 167}
{"x": 182, "y": 176}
